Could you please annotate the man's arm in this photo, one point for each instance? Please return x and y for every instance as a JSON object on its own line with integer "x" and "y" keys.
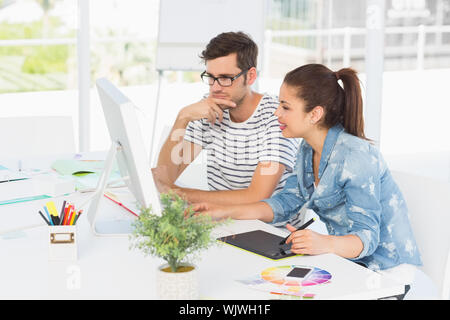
{"x": 250, "y": 211}
{"x": 176, "y": 153}
{"x": 264, "y": 181}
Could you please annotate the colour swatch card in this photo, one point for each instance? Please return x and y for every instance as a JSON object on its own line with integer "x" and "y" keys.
{"x": 274, "y": 280}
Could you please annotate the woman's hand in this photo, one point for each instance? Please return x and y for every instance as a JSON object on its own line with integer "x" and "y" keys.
{"x": 307, "y": 241}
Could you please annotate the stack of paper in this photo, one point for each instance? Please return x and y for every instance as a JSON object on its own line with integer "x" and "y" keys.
{"x": 35, "y": 188}
{"x": 78, "y": 167}
{"x": 7, "y": 175}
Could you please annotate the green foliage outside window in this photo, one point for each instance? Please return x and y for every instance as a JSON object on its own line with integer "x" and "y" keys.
{"x": 47, "y": 59}
{"x": 31, "y": 67}
{"x": 54, "y": 67}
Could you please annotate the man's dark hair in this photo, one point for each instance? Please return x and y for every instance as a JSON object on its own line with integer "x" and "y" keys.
{"x": 232, "y": 42}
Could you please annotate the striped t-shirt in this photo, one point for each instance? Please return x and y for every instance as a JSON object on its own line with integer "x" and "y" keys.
{"x": 235, "y": 149}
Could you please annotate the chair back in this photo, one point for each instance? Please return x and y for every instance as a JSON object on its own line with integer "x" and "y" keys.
{"x": 36, "y": 136}
{"x": 428, "y": 202}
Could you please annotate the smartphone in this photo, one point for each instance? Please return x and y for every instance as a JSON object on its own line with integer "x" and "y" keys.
{"x": 298, "y": 273}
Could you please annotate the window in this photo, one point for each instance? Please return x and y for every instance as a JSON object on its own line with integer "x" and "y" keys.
{"x": 123, "y": 40}
{"x": 415, "y": 102}
{"x": 37, "y": 45}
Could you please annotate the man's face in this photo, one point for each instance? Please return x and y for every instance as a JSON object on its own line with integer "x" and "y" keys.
{"x": 227, "y": 67}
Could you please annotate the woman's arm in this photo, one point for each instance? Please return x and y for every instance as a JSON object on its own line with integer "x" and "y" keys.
{"x": 261, "y": 187}
{"x": 348, "y": 246}
{"x": 279, "y": 207}
{"x": 360, "y": 182}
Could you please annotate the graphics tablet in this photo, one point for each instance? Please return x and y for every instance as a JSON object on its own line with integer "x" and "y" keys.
{"x": 260, "y": 242}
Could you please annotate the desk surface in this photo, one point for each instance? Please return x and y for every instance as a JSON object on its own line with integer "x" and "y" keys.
{"x": 108, "y": 269}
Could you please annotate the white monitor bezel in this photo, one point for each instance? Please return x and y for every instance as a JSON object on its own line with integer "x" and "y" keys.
{"x": 127, "y": 147}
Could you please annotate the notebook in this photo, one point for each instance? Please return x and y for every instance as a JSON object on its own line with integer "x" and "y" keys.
{"x": 80, "y": 167}
{"x": 260, "y": 242}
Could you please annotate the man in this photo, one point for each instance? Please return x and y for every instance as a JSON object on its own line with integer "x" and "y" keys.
{"x": 248, "y": 159}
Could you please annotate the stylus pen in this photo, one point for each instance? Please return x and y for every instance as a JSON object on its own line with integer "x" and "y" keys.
{"x": 305, "y": 225}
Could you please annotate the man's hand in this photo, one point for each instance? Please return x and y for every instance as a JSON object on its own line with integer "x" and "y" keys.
{"x": 216, "y": 211}
{"x": 208, "y": 108}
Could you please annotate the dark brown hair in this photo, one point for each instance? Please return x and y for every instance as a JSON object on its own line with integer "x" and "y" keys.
{"x": 232, "y": 42}
{"x": 318, "y": 86}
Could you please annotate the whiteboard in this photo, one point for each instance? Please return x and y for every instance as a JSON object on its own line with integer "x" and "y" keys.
{"x": 186, "y": 27}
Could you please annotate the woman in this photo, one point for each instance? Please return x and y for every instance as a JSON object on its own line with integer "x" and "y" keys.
{"x": 338, "y": 173}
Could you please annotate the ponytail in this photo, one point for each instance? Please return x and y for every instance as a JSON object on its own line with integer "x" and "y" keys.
{"x": 352, "y": 115}
{"x": 318, "y": 86}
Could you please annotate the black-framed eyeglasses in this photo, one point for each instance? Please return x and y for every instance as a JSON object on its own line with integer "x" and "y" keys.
{"x": 223, "y": 81}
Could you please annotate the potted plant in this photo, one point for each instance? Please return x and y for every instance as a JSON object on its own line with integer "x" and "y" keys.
{"x": 176, "y": 235}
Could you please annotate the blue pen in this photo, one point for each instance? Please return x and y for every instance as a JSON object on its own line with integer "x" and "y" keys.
{"x": 48, "y": 216}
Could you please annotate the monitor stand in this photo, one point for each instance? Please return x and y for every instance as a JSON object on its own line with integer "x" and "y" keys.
{"x": 114, "y": 226}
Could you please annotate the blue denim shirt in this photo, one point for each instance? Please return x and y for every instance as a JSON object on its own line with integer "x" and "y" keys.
{"x": 356, "y": 195}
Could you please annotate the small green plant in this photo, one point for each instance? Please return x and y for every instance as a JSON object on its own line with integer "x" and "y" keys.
{"x": 176, "y": 234}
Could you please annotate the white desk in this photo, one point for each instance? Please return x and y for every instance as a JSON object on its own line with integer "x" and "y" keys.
{"x": 107, "y": 269}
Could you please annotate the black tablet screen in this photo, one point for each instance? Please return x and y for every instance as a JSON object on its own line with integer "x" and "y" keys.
{"x": 260, "y": 242}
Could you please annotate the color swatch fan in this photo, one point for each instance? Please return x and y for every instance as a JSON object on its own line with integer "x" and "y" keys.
{"x": 280, "y": 280}
{"x": 277, "y": 275}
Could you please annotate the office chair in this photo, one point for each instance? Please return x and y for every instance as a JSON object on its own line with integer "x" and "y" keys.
{"x": 36, "y": 136}
{"x": 428, "y": 202}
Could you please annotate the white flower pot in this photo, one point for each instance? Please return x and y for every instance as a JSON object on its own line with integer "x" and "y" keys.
{"x": 177, "y": 285}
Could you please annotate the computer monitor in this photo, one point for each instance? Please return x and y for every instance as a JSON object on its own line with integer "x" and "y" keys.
{"x": 129, "y": 150}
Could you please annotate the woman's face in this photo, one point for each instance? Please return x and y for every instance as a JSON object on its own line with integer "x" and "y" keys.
{"x": 294, "y": 121}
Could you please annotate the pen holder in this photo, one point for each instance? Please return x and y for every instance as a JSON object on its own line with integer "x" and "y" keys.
{"x": 62, "y": 243}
